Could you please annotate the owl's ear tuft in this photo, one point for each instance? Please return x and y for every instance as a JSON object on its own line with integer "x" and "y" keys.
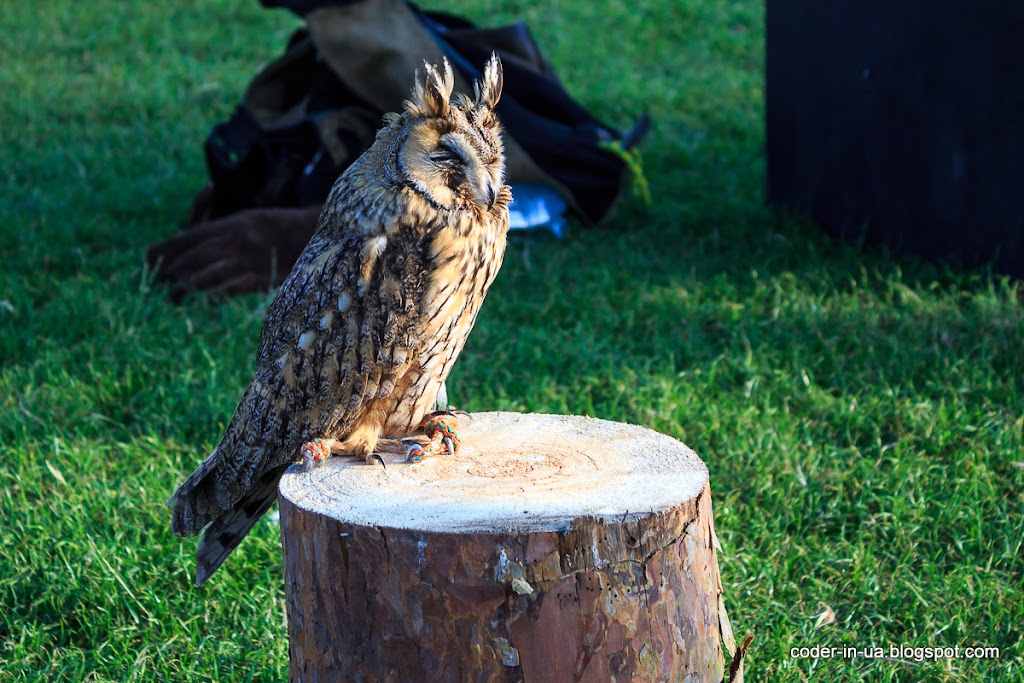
{"x": 432, "y": 92}
{"x": 488, "y": 92}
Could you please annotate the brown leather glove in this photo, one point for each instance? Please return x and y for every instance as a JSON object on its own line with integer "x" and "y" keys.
{"x": 249, "y": 251}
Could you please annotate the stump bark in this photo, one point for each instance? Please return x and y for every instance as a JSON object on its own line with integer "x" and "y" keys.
{"x": 549, "y": 548}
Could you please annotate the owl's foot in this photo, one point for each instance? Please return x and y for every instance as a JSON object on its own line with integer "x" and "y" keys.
{"x": 387, "y": 449}
{"x": 314, "y": 452}
{"x": 442, "y": 430}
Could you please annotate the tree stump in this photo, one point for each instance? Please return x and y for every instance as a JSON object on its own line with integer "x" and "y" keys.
{"x": 549, "y": 548}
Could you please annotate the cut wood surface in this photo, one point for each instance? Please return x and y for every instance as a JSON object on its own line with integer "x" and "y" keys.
{"x": 549, "y": 548}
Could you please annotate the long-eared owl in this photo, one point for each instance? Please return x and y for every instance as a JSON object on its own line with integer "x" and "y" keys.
{"x": 363, "y": 333}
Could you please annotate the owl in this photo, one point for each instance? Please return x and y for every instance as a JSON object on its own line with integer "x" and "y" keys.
{"x": 361, "y": 336}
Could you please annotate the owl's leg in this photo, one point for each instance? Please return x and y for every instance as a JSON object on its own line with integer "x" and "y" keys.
{"x": 314, "y": 452}
{"x": 441, "y": 428}
{"x": 449, "y": 410}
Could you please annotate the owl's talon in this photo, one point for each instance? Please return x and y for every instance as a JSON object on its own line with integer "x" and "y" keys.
{"x": 414, "y": 454}
{"x": 449, "y": 445}
{"x": 379, "y": 458}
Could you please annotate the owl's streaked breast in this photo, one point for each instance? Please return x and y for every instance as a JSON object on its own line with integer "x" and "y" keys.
{"x": 463, "y": 262}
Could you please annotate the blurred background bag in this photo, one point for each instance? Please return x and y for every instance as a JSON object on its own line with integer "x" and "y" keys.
{"x": 311, "y": 112}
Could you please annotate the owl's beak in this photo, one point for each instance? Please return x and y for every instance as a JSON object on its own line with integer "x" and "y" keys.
{"x": 485, "y": 189}
{"x": 486, "y": 193}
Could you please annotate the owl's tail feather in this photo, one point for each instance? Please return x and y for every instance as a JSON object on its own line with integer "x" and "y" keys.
{"x": 201, "y": 498}
{"x": 227, "y": 530}
{"x": 224, "y": 499}
{"x": 224, "y": 478}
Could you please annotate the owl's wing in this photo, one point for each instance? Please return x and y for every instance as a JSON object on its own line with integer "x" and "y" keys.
{"x": 333, "y": 338}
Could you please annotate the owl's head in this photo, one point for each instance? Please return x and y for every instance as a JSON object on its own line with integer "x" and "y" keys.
{"x": 449, "y": 148}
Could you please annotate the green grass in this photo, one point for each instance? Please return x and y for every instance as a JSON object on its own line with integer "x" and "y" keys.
{"x": 861, "y": 413}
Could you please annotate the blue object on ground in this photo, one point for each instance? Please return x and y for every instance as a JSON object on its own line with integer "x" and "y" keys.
{"x": 537, "y": 206}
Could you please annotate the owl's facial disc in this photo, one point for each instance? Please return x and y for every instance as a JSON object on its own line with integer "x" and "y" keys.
{"x": 455, "y": 169}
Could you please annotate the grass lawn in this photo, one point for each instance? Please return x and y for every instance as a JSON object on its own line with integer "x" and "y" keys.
{"x": 861, "y": 413}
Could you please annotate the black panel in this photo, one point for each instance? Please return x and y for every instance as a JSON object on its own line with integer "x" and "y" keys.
{"x": 901, "y": 122}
